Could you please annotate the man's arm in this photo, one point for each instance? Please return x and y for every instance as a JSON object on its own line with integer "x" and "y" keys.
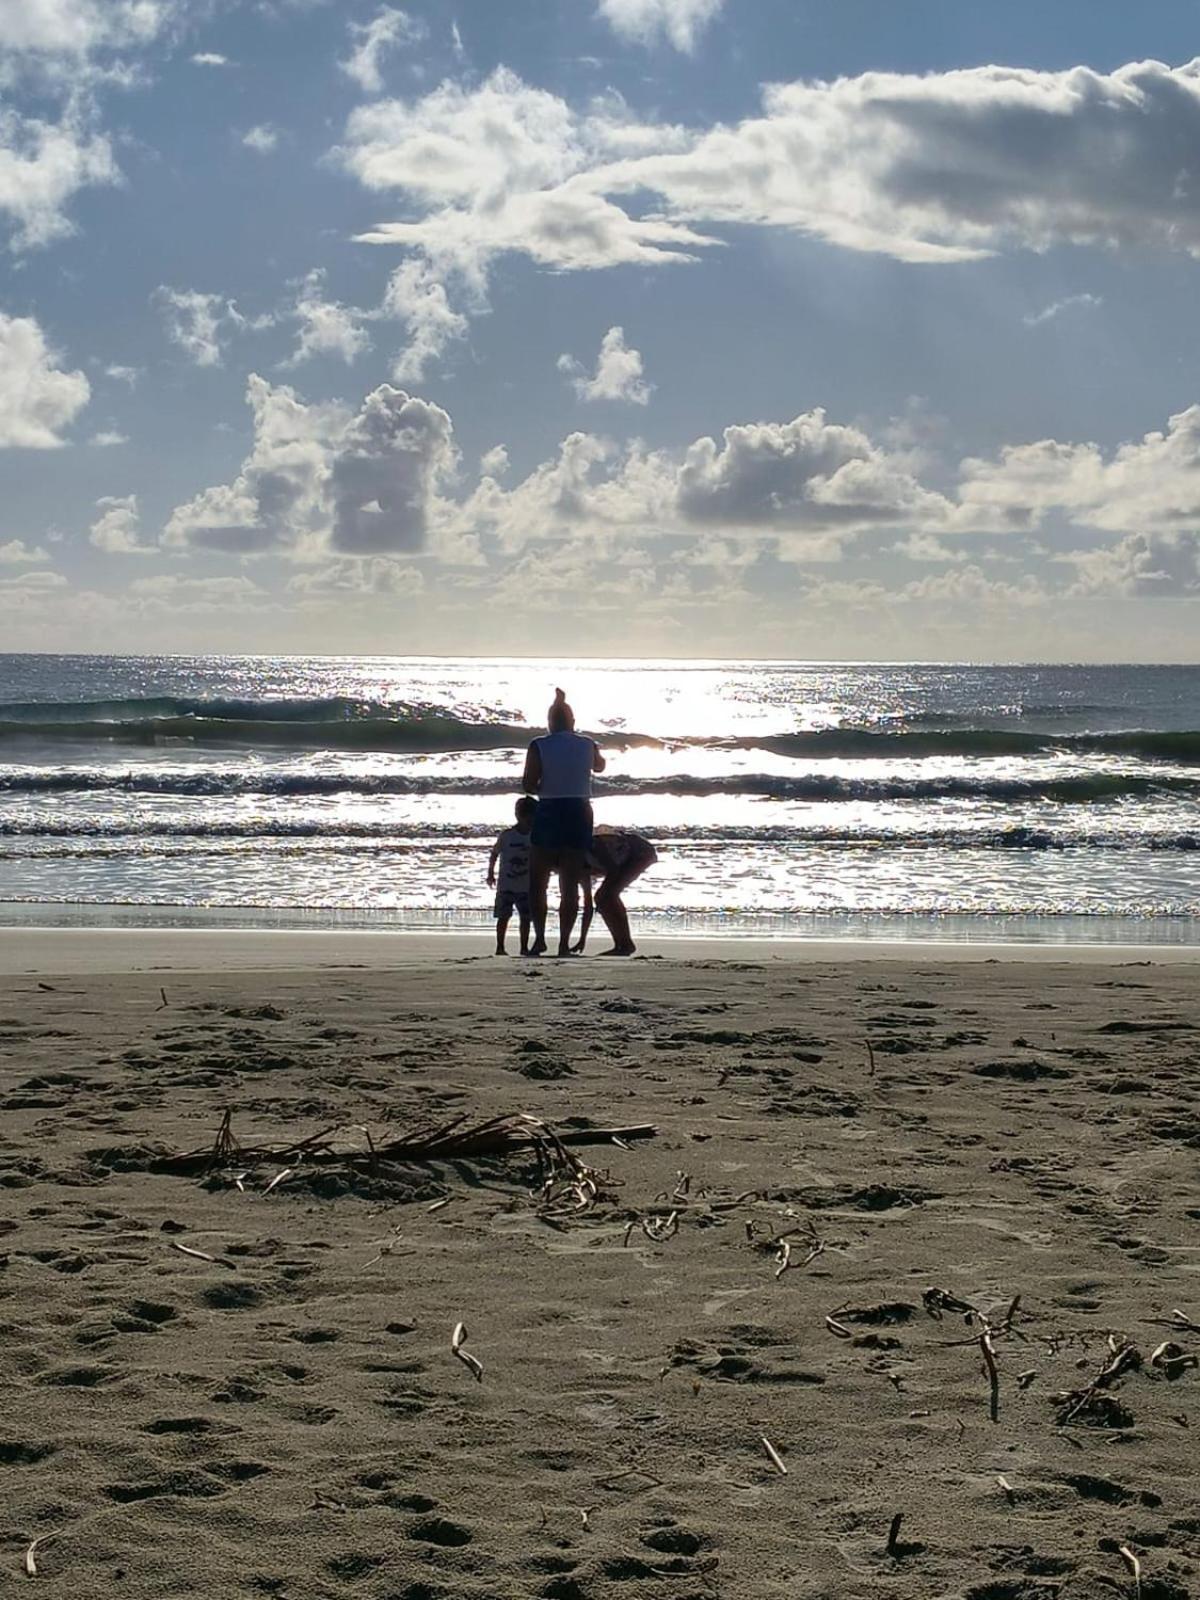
{"x": 598, "y": 761}
{"x": 531, "y": 778}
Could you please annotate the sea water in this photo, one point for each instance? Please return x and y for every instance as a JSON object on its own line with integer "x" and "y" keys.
{"x": 798, "y": 798}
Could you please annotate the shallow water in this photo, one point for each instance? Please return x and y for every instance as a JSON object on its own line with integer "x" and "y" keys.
{"x": 808, "y": 795}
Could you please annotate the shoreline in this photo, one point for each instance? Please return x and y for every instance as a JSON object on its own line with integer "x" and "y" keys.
{"x": 97, "y": 950}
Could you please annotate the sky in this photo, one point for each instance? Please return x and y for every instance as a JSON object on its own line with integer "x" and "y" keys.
{"x": 755, "y": 328}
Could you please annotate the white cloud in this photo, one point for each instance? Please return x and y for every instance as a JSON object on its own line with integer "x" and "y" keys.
{"x": 681, "y": 22}
{"x": 198, "y": 323}
{"x": 942, "y": 167}
{"x": 618, "y": 375}
{"x": 323, "y": 478}
{"x": 357, "y": 577}
{"x": 1148, "y": 484}
{"x": 493, "y": 169}
{"x": 371, "y": 41}
{"x": 37, "y": 398}
{"x": 326, "y": 328}
{"x": 16, "y": 553}
{"x": 177, "y": 596}
{"x": 807, "y": 483}
{"x": 927, "y": 547}
{"x": 803, "y": 474}
{"x": 417, "y": 297}
{"x": 1159, "y": 565}
{"x": 210, "y": 58}
{"x": 493, "y": 463}
{"x": 119, "y": 374}
{"x": 107, "y": 438}
{"x": 1072, "y": 302}
{"x": 43, "y": 165}
{"x": 262, "y": 138}
{"x": 116, "y": 530}
{"x": 80, "y": 27}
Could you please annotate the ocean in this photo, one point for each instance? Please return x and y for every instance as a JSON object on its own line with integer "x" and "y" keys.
{"x": 799, "y": 799}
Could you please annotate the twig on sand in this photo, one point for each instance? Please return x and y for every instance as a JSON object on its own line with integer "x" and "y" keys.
{"x": 893, "y": 1547}
{"x": 457, "y": 1139}
{"x": 870, "y": 1059}
{"x": 987, "y": 1349}
{"x": 1123, "y": 1358}
{"x": 279, "y": 1177}
{"x": 31, "y": 1566}
{"x": 163, "y": 1003}
{"x": 457, "y": 1339}
{"x": 1173, "y": 1359}
{"x": 777, "y": 1460}
{"x": 203, "y": 1255}
{"x": 1009, "y": 1492}
{"x": 1135, "y": 1567}
{"x": 838, "y": 1329}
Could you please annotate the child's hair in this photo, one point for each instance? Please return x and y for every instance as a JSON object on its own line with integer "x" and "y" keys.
{"x": 525, "y": 807}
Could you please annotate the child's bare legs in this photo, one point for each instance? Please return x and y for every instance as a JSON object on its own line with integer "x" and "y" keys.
{"x": 501, "y": 935}
{"x": 612, "y": 908}
{"x": 524, "y": 926}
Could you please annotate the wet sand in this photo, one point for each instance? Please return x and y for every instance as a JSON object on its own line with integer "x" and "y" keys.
{"x": 289, "y": 1419}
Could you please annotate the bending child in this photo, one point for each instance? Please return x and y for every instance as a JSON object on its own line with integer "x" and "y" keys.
{"x": 617, "y": 856}
{"x": 511, "y": 851}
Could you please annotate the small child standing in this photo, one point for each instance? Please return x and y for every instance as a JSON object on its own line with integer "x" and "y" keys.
{"x": 511, "y": 850}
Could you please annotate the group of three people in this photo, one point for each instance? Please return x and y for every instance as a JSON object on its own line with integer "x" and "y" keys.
{"x": 555, "y": 833}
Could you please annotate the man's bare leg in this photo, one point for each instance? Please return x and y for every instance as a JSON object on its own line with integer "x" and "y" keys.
{"x": 571, "y": 867}
{"x": 541, "y": 864}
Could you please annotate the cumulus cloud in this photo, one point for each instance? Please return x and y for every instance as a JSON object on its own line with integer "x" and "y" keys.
{"x": 120, "y": 374}
{"x": 681, "y": 22}
{"x": 618, "y": 374}
{"x": 16, "y": 553}
{"x": 210, "y": 58}
{"x": 43, "y": 165}
{"x": 1072, "y": 302}
{"x": 492, "y": 169}
{"x": 178, "y": 596}
{"x": 108, "y": 438}
{"x": 807, "y": 473}
{"x": 262, "y": 138}
{"x": 371, "y": 41}
{"x": 807, "y": 482}
{"x": 116, "y": 529}
{"x": 326, "y": 327}
{"x": 200, "y": 323}
{"x": 1149, "y": 484}
{"x": 320, "y": 477}
{"x": 80, "y": 27}
{"x": 1156, "y": 565}
{"x": 358, "y": 577}
{"x": 38, "y": 399}
{"x": 942, "y": 167}
{"x": 417, "y": 296}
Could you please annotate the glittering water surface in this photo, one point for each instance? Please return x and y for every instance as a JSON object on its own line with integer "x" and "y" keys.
{"x": 779, "y": 791}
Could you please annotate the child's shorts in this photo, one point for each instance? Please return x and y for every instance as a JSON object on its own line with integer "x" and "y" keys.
{"x": 508, "y": 901}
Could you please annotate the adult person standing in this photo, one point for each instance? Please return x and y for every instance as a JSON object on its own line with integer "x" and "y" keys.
{"x": 558, "y": 770}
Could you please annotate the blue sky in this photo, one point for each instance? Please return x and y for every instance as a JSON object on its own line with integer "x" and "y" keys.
{"x": 696, "y": 327}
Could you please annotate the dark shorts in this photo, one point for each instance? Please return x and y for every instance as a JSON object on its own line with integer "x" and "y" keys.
{"x": 508, "y": 901}
{"x": 562, "y": 825}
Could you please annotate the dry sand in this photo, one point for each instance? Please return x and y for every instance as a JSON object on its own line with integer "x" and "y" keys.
{"x": 294, "y": 1424}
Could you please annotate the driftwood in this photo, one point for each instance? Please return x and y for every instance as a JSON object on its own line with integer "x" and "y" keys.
{"x": 458, "y": 1139}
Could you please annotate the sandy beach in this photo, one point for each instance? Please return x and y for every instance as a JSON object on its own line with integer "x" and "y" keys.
{"x": 858, "y": 1166}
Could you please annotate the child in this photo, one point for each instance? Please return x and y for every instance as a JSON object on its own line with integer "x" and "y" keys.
{"x": 618, "y": 855}
{"x": 511, "y": 850}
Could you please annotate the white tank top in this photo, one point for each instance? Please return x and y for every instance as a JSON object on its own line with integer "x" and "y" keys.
{"x": 566, "y": 766}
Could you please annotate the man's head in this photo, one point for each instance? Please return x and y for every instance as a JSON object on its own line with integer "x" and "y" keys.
{"x": 525, "y": 808}
{"x": 560, "y": 718}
